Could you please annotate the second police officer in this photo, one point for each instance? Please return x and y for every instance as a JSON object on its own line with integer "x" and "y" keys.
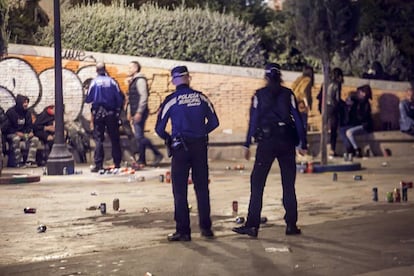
{"x": 106, "y": 100}
{"x": 192, "y": 118}
{"x": 276, "y": 125}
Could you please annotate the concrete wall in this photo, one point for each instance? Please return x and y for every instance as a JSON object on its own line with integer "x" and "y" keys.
{"x": 29, "y": 70}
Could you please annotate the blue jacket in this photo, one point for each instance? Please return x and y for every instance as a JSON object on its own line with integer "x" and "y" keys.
{"x": 271, "y": 105}
{"x": 191, "y": 112}
{"x": 104, "y": 91}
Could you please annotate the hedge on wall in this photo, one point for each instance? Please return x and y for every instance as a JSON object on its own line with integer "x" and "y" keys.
{"x": 195, "y": 35}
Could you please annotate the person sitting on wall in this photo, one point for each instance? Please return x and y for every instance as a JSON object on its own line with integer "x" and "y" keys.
{"x": 44, "y": 129}
{"x": 20, "y": 129}
{"x": 406, "y": 108}
{"x": 359, "y": 119}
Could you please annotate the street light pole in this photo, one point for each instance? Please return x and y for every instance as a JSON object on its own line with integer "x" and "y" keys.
{"x": 59, "y": 157}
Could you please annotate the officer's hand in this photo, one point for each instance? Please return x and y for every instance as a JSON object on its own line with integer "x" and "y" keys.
{"x": 246, "y": 153}
{"x": 302, "y": 151}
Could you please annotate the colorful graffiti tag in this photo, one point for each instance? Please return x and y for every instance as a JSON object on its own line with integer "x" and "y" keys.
{"x": 18, "y": 76}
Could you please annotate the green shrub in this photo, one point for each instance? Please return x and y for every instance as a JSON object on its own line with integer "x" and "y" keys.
{"x": 182, "y": 34}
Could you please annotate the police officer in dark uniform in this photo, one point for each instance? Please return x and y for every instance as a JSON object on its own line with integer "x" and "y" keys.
{"x": 192, "y": 119}
{"x": 276, "y": 125}
{"x": 106, "y": 99}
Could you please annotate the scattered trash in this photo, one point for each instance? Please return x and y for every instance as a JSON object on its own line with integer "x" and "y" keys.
{"x": 384, "y": 164}
{"x": 94, "y": 194}
{"x": 122, "y": 210}
{"x": 145, "y": 210}
{"x": 397, "y": 195}
{"x": 240, "y": 220}
{"x": 141, "y": 178}
{"x": 375, "y": 194}
{"x": 296, "y": 266}
{"x": 168, "y": 177}
{"x": 148, "y": 274}
{"x": 228, "y": 168}
{"x": 161, "y": 177}
{"x": 284, "y": 249}
{"x": 92, "y": 208}
{"x": 357, "y": 177}
{"x": 239, "y": 167}
{"x": 235, "y": 206}
{"x": 390, "y": 197}
{"x": 29, "y": 210}
{"x": 102, "y": 207}
{"x": 309, "y": 168}
{"x": 41, "y": 229}
{"x": 335, "y": 177}
{"x": 115, "y": 204}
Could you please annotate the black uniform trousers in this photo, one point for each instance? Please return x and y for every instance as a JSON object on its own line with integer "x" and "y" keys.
{"x": 283, "y": 149}
{"x": 193, "y": 155}
{"x": 106, "y": 120}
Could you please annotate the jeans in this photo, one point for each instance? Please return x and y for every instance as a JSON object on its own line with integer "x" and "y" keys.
{"x": 143, "y": 142}
{"x": 348, "y": 133}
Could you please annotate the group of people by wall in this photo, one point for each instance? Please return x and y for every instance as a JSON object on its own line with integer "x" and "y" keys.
{"x": 347, "y": 117}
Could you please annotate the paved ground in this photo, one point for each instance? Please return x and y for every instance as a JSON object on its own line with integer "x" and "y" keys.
{"x": 344, "y": 231}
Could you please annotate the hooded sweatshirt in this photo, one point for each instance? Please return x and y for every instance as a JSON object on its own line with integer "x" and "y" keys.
{"x": 45, "y": 118}
{"x": 19, "y": 118}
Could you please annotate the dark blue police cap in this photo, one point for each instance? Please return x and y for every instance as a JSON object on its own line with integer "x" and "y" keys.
{"x": 272, "y": 68}
{"x": 179, "y": 71}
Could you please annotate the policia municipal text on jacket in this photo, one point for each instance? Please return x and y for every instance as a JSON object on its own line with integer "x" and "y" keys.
{"x": 192, "y": 119}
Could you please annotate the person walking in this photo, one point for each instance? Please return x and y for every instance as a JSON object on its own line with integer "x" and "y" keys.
{"x": 192, "y": 118}
{"x": 138, "y": 101}
{"x": 106, "y": 100}
{"x": 276, "y": 125}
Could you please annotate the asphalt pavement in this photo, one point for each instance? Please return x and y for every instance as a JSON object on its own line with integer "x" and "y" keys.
{"x": 345, "y": 232}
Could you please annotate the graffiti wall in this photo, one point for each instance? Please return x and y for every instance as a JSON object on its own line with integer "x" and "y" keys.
{"x": 36, "y": 81}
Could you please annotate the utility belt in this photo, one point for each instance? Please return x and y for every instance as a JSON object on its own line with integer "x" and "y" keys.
{"x": 102, "y": 112}
{"x": 179, "y": 142}
{"x": 278, "y": 129}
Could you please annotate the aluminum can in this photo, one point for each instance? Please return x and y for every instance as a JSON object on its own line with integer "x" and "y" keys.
{"x": 397, "y": 195}
{"x": 168, "y": 177}
{"x": 405, "y": 194}
{"x": 115, "y": 204}
{"x": 357, "y": 177}
{"x": 235, "y": 206}
{"x": 102, "y": 207}
{"x": 239, "y": 220}
{"x": 29, "y": 210}
{"x": 41, "y": 229}
{"x": 375, "y": 194}
{"x": 335, "y": 177}
{"x": 390, "y": 197}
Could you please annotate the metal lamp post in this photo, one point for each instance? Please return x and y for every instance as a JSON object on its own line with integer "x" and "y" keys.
{"x": 60, "y": 160}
